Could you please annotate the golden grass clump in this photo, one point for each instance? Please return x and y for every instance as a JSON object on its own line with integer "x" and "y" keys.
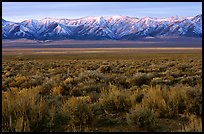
{"x": 20, "y": 79}
{"x": 114, "y": 100}
{"x": 57, "y": 90}
{"x": 173, "y": 101}
{"x": 194, "y": 124}
{"x": 155, "y": 98}
{"x": 77, "y": 111}
{"x": 23, "y": 111}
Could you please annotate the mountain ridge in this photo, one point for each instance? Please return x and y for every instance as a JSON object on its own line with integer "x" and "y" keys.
{"x": 103, "y": 28}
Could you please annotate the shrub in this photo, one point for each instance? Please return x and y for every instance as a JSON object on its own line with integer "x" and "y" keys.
{"x": 14, "y": 89}
{"x": 189, "y": 80}
{"x": 139, "y": 97}
{"x": 141, "y": 116}
{"x": 194, "y": 100}
{"x": 20, "y": 79}
{"x": 177, "y": 99}
{"x": 156, "y": 81}
{"x": 121, "y": 81}
{"x": 68, "y": 81}
{"x": 104, "y": 69}
{"x": 40, "y": 94}
{"x": 171, "y": 64}
{"x": 171, "y": 102}
{"x": 139, "y": 79}
{"x": 78, "y": 111}
{"x": 162, "y": 69}
{"x": 114, "y": 100}
{"x": 45, "y": 88}
{"x": 94, "y": 96}
{"x": 183, "y": 67}
{"x": 194, "y": 124}
{"x": 56, "y": 90}
{"x": 24, "y": 112}
{"x": 88, "y": 76}
{"x": 31, "y": 83}
{"x": 156, "y": 99}
{"x": 7, "y": 74}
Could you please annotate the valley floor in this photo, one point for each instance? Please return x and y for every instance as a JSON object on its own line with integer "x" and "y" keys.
{"x": 110, "y": 89}
{"x": 28, "y": 51}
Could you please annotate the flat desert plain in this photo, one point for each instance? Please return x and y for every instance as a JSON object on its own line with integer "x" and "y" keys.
{"x": 172, "y": 45}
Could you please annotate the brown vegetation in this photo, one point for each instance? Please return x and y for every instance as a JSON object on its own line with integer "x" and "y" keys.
{"x": 97, "y": 92}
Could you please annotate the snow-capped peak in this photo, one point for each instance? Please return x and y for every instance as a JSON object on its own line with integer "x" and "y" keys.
{"x": 103, "y": 27}
{"x": 48, "y": 19}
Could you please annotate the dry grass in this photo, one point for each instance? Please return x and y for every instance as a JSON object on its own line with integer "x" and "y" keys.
{"x": 22, "y": 111}
{"x": 78, "y": 112}
{"x": 194, "y": 124}
{"x": 114, "y": 100}
{"x": 89, "y": 92}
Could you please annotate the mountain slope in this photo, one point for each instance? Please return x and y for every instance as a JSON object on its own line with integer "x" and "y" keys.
{"x": 103, "y": 28}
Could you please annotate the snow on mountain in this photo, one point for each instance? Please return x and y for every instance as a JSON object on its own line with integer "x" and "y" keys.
{"x": 104, "y": 27}
{"x": 4, "y": 22}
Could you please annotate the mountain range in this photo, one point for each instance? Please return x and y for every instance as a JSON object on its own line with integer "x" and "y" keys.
{"x": 103, "y": 28}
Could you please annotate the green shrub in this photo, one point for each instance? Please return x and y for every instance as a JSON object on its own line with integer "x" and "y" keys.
{"x": 121, "y": 81}
{"x": 139, "y": 79}
{"x": 194, "y": 100}
{"x": 139, "y": 97}
{"x": 191, "y": 81}
{"x": 141, "y": 116}
{"x": 156, "y": 81}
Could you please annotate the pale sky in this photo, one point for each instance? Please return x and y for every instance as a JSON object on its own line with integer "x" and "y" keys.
{"x": 19, "y": 11}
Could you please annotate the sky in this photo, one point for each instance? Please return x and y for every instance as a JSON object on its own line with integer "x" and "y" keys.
{"x": 19, "y": 11}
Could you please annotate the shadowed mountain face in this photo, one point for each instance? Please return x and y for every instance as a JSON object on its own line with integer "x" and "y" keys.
{"x": 103, "y": 28}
